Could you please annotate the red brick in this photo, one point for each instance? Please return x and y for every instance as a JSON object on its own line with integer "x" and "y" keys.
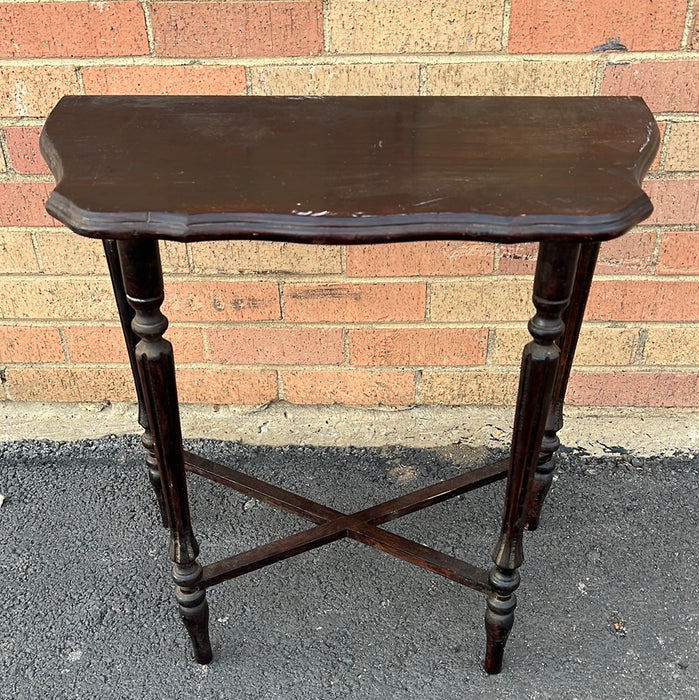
{"x": 27, "y": 344}
{"x": 569, "y": 26}
{"x": 674, "y": 201}
{"x": 421, "y": 258}
{"x": 355, "y": 303}
{"x": 30, "y": 91}
{"x": 22, "y": 204}
{"x": 72, "y": 29}
{"x": 350, "y": 387}
{"x": 226, "y": 386}
{"x": 237, "y": 28}
{"x": 69, "y": 384}
{"x": 164, "y": 80}
{"x": 631, "y": 253}
{"x": 665, "y": 85}
{"x": 23, "y": 147}
{"x": 222, "y": 301}
{"x": 518, "y": 258}
{"x": 636, "y": 300}
{"x": 619, "y": 388}
{"x": 276, "y": 346}
{"x": 96, "y": 344}
{"x": 679, "y": 253}
{"x": 415, "y": 347}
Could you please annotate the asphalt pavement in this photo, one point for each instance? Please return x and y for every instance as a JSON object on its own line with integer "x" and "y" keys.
{"x": 607, "y": 606}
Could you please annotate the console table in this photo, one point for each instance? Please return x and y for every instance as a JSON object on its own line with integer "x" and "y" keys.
{"x": 563, "y": 172}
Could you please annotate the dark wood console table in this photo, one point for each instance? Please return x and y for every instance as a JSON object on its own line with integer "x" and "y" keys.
{"x": 564, "y": 172}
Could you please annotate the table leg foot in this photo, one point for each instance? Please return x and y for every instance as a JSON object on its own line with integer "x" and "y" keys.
{"x": 499, "y": 616}
{"x": 194, "y": 611}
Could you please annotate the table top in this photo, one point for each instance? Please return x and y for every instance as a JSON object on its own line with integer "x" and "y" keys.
{"x": 350, "y": 169}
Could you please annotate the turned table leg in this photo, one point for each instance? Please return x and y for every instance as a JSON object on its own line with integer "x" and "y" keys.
{"x": 126, "y": 314}
{"x": 553, "y": 283}
{"x": 143, "y": 282}
{"x": 573, "y": 318}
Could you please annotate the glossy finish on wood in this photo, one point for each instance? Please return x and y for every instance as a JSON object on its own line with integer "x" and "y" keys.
{"x": 349, "y": 169}
{"x": 561, "y": 171}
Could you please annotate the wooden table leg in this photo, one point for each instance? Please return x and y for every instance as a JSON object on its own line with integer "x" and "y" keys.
{"x": 573, "y": 318}
{"x": 553, "y": 284}
{"x": 126, "y": 314}
{"x": 143, "y": 282}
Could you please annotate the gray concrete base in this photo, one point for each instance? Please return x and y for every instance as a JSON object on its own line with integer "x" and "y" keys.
{"x": 644, "y": 432}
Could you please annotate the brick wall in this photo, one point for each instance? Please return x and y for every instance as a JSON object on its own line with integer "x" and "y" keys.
{"x": 438, "y": 323}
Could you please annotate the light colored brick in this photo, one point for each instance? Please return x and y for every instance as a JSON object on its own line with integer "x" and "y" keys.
{"x": 57, "y": 298}
{"x": 468, "y": 388}
{"x": 164, "y": 80}
{"x": 237, "y": 28}
{"x": 418, "y": 347}
{"x": 173, "y": 257}
{"x": 620, "y": 388}
{"x": 74, "y": 29}
{"x": 674, "y": 201}
{"x": 414, "y": 26}
{"x": 27, "y": 344}
{"x": 219, "y": 385}
{"x": 65, "y": 253}
{"x": 17, "y": 252}
{"x": 69, "y": 384}
{"x": 514, "y": 77}
{"x": 679, "y": 253}
{"x": 29, "y": 91}
{"x": 693, "y": 42}
{"x": 23, "y": 147}
{"x": 672, "y": 346}
{"x": 662, "y": 128}
{"x": 276, "y": 346}
{"x": 629, "y": 254}
{"x": 596, "y": 346}
{"x": 420, "y": 258}
{"x": 98, "y": 344}
{"x": 639, "y": 300}
{"x": 682, "y": 150}
{"x": 666, "y": 86}
{"x": 222, "y": 301}
{"x": 262, "y": 257}
{"x": 341, "y": 79}
{"x": 22, "y": 204}
{"x": 481, "y": 300}
{"x": 569, "y": 26}
{"x": 350, "y": 387}
{"x": 354, "y": 303}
